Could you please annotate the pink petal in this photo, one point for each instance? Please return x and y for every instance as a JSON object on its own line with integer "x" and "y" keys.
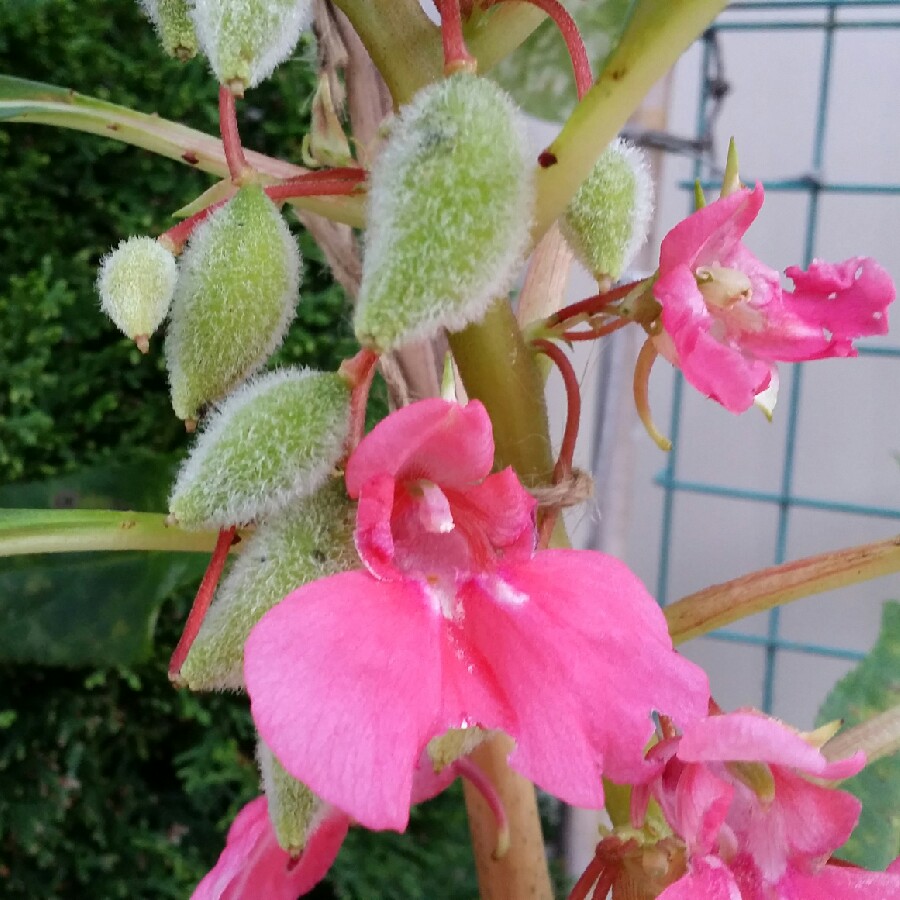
{"x": 345, "y": 689}
{"x": 698, "y": 808}
{"x": 849, "y": 299}
{"x": 709, "y": 235}
{"x": 707, "y": 879}
{"x": 717, "y": 369}
{"x": 840, "y": 883}
{"x": 579, "y": 649}
{"x": 434, "y": 440}
{"x": 252, "y": 865}
{"x": 753, "y": 737}
{"x": 373, "y": 534}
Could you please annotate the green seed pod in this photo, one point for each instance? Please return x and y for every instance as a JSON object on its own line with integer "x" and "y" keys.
{"x": 312, "y": 540}
{"x": 234, "y": 300}
{"x": 245, "y": 40}
{"x": 293, "y": 807}
{"x": 608, "y": 218}
{"x": 173, "y": 25}
{"x": 136, "y": 284}
{"x": 450, "y": 208}
{"x": 274, "y": 440}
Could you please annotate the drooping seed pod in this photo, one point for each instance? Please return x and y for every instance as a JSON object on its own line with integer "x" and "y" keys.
{"x": 292, "y": 805}
{"x": 311, "y": 540}
{"x": 234, "y": 301}
{"x": 173, "y": 24}
{"x": 273, "y": 441}
{"x": 245, "y": 40}
{"x": 450, "y": 207}
{"x": 136, "y": 283}
{"x": 607, "y": 220}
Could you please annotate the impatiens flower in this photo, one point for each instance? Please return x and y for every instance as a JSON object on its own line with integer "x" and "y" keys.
{"x": 726, "y": 320}
{"x": 747, "y": 796}
{"x": 253, "y": 866}
{"x": 456, "y": 624}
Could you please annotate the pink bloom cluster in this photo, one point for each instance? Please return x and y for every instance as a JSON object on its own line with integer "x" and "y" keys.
{"x": 726, "y": 320}
{"x": 747, "y": 796}
{"x": 456, "y": 623}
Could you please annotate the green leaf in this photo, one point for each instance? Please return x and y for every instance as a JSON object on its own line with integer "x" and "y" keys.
{"x": 539, "y": 74}
{"x": 86, "y": 608}
{"x": 872, "y": 687}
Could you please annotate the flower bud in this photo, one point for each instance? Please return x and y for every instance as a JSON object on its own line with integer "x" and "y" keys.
{"x": 234, "y": 300}
{"x": 292, "y": 805}
{"x": 450, "y": 207}
{"x": 136, "y": 284}
{"x": 245, "y": 40}
{"x": 312, "y": 540}
{"x": 173, "y": 25}
{"x": 273, "y": 441}
{"x": 607, "y": 220}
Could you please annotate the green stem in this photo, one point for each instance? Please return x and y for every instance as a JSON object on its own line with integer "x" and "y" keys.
{"x": 498, "y": 369}
{"x": 404, "y": 43}
{"x": 723, "y": 604}
{"x": 877, "y": 737}
{"x": 496, "y": 34}
{"x": 45, "y": 104}
{"x": 28, "y": 531}
{"x": 658, "y": 33}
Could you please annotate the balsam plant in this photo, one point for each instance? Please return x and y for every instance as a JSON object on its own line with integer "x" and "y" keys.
{"x": 174, "y": 25}
{"x": 419, "y": 616}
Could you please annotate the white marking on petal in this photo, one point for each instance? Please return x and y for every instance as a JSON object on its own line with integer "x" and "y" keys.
{"x": 506, "y": 593}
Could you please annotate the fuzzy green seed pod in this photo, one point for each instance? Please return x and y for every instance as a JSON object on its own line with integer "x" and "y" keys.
{"x": 274, "y": 440}
{"x": 234, "y": 301}
{"x": 173, "y": 25}
{"x": 450, "y": 208}
{"x": 293, "y": 807}
{"x": 608, "y": 218}
{"x": 245, "y": 40}
{"x": 312, "y": 540}
{"x": 136, "y": 284}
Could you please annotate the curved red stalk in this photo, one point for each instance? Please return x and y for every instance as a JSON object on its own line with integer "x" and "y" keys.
{"x": 595, "y": 333}
{"x": 176, "y": 237}
{"x": 581, "y": 65}
{"x": 456, "y": 55}
{"x": 477, "y": 778}
{"x": 311, "y": 187}
{"x": 573, "y": 418}
{"x": 231, "y": 138}
{"x": 590, "y": 305}
{"x": 202, "y": 600}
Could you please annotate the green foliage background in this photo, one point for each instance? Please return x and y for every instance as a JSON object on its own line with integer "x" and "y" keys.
{"x": 111, "y": 783}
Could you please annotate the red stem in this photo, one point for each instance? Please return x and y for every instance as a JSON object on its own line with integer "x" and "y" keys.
{"x": 202, "y": 600}
{"x": 311, "y": 187}
{"x": 456, "y": 55}
{"x": 176, "y": 237}
{"x": 570, "y": 435}
{"x": 595, "y": 333}
{"x": 231, "y": 138}
{"x": 584, "y": 78}
{"x": 590, "y": 305}
{"x": 358, "y": 372}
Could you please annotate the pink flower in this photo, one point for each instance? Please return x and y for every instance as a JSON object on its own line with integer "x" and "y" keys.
{"x": 458, "y": 624}
{"x": 726, "y": 320}
{"x": 737, "y": 790}
{"x": 252, "y": 865}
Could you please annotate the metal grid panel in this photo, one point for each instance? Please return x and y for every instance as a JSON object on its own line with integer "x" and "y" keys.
{"x": 828, "y": 17}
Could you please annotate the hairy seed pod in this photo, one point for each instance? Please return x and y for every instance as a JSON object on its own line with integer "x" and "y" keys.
{"x": 606, "y": 222}
{"x": 450, "y": 208}
{"x": 234, "y": 301}
{"x": 136, "y": 283}
{"x": 173, "y": 25}
{"x": 273, "y": 441}
{"x": 293, "y": 807}
{"x": 311, "y": 540}
{"x": 245, "y": 40}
